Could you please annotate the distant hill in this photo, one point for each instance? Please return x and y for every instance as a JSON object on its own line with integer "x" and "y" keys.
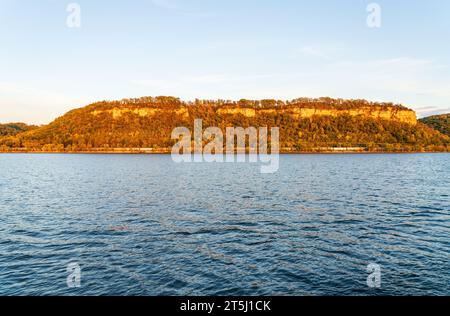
{"x": 440, "y": 123}
{"x": 12, "y": 129}
{"x": 305, "y": 125}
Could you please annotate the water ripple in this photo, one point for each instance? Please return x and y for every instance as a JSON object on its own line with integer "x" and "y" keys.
{"x": 141, "y": 225}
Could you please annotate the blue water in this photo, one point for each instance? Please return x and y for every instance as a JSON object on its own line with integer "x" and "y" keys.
{"x": 142, "y": 225}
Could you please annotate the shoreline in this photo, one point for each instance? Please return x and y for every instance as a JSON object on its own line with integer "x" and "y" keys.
{"x": 168, "y": 153}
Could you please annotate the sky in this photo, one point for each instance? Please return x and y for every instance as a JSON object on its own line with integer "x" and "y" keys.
{"x": 220, "y": 49}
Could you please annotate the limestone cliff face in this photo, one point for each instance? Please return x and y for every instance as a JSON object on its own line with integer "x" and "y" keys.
{"x": 117, "y": 113}
{"x": 385, "y": 113}
{"x": 393, "y": 114}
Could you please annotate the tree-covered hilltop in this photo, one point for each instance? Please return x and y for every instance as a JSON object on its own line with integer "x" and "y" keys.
{"x": 440, "y": 123}
{"x": 168, "y": 102}
{"x": 12, "y": 129}
{"x": 305, "y": 125}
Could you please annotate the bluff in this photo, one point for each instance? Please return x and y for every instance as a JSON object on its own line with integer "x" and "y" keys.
{"x": 305, "y": 125}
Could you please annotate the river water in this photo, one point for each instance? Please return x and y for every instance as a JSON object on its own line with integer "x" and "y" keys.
{"x": 144, "y": 225}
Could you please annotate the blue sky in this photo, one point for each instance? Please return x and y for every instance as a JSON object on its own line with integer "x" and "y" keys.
{"x": 228, "y": 49}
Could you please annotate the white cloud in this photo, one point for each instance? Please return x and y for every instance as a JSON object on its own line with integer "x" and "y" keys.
{"x": 211, "y": 79}
{"x": 157, "y": 83}
{"x": 413, "y": 82}
{"x": 313, "y": 52}
{"x": 173, "y": 5}
{"x": 431, "y": 110}
{"x": 400, "y": 75}
{"x": 166, "y": 4}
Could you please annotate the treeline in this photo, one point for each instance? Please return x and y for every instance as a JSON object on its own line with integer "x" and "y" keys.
{"x": 81, "y": 130}
{"x": 318, "y": 103}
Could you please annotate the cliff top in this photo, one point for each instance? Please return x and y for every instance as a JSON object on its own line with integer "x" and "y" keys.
{"x": 316, "y": 103}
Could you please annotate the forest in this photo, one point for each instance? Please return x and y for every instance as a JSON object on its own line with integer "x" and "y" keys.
{"x": 12, "y": 129}
{"x": 440, "y": 123}
{"x": 148, "y": 122}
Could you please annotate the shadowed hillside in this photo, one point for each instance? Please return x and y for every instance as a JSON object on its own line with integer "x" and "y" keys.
{"x": 440, "y": 123}
{"x": 12, "y": 129}
{"x": 305, "y": 125}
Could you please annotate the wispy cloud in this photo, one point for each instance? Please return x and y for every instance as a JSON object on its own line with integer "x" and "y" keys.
{"x": 167, "y": 4}
{"x": 431, "y": 110}
{"x": 156, "y": 83}
{"x": 392, "y": 64}
{"x": 313, "y": 52}
{"x": 175, "y": 6}
{"x": 212, "y": 79}
{"x": 427, "y": 108}
{"x": 415, "y": 82}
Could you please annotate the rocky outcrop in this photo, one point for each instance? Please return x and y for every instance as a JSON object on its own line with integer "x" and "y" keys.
{"x": 117, "y": 113}
{"x": 392, "y": 114}
{"x": 385, "y": 113}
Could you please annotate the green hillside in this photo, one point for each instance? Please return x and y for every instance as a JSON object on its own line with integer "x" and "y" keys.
{"x": 440, "y": 123}
{"x": 12, "y": 129}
